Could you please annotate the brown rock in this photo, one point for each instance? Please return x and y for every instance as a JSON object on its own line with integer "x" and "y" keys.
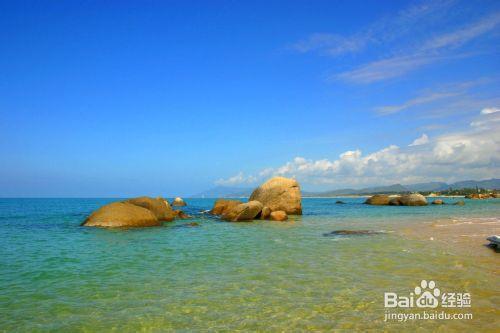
{"x": 459, "y": 203}
{"x": 394, "y": 201}
{"x": 178, "y": 202}
{"x": 264, "y": 214}
{"x": 222, "y": 206}
{"x": 438, "y": 202}
{"x": 378, "y": 199}
{"x": 243, "y": 212}
{"x": 159, "y": 207}
{"x": 121, "y": 214}
{"x": 280, "y": 193}
{"x": 279, "y": 215}
{"x": 413, "y": 199}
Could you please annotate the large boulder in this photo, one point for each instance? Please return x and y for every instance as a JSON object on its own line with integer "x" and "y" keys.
{"x": 378, "y": 199}
{"x": 243, "y": 212}
{"x": 413, "y": 199}
{"x": 178, "y": 202}
{"x": 280, "y": 193}
{"x": 222, "y": 206}
{"x": 159, "y": 207}
{"x": 278, "y": 215}
{"x": 121, "y": 214}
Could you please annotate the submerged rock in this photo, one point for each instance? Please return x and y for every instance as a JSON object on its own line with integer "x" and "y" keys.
{"x": 222, "y": 206}
{"x": 279, "y": 193}
{"x": 340, "y": 202}
{"x": 278, "y": 215}
{"x": 243, "y": 212}
{"x": 378, "y": 199}
{"x": 187, "y": 225}
{"x": 121, "y": 214}
{"x": 159, "y": 207}
{"x": 459, "y": 203}
{"x": 178, "y": 202}
{"x": 352, "y": 232}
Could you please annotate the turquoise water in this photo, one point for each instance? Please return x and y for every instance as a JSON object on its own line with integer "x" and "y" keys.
{"x": 259, "y": 276}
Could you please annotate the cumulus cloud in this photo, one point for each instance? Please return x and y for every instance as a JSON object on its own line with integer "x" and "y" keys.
{"x": 474, "y": 153}
{"x": 420, "y": 141}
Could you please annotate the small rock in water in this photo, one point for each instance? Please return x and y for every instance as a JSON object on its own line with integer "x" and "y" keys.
{"x": 459, "y": 203}
{"x": 178, "y": 202}
{"x": 181, "y": 215}
{"x": 339, "y": 202}
{"x": 352, "y": 232}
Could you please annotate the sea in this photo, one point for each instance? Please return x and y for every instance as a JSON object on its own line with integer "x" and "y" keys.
{"x": 293, "y": 276}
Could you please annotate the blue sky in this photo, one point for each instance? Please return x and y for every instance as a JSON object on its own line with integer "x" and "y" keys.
{"x": 125, "y": 98}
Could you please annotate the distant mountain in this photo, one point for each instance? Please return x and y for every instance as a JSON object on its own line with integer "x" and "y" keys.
{"x": 490, "y": 184}
{"x": 224, "y": 192}
{"x": 432, "y": 186}
{"x": 235, "y": 192}
{"x": 396, "y": 188}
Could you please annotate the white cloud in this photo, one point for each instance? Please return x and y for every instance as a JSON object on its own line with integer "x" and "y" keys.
{"x": 487, "y": 119}
{"x": 463, "y": 35}
{"x": 381, "y": 31}
{"x": 420, "y": 141}
{"x": 401, "y": 39}
{"x": 445, "y": 98}
{"x": 422, "y": 99}
{"x": 387, "y": 68}
{"x": 490, "y": 110}
{"x": 470, "y": 154}
{"x": 238, "y": 179}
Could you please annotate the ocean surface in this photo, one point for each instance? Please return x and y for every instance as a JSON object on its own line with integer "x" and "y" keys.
{"x": 56, "y": 275}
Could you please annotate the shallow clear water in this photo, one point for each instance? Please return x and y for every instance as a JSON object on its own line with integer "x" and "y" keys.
{"x": 267, "y": 276}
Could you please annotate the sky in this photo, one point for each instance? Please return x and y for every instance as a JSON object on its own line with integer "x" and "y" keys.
{"x": 125, "y": 98}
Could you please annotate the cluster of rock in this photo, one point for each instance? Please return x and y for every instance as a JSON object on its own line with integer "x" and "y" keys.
{"x": 274, "y": 200}
{"x": 413, "y": 199}
{"x": 483, "y": 196}
{"x": 136, "y": 212}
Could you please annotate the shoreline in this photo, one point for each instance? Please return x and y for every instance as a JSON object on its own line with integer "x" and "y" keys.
{"x": 465, "y": 235}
